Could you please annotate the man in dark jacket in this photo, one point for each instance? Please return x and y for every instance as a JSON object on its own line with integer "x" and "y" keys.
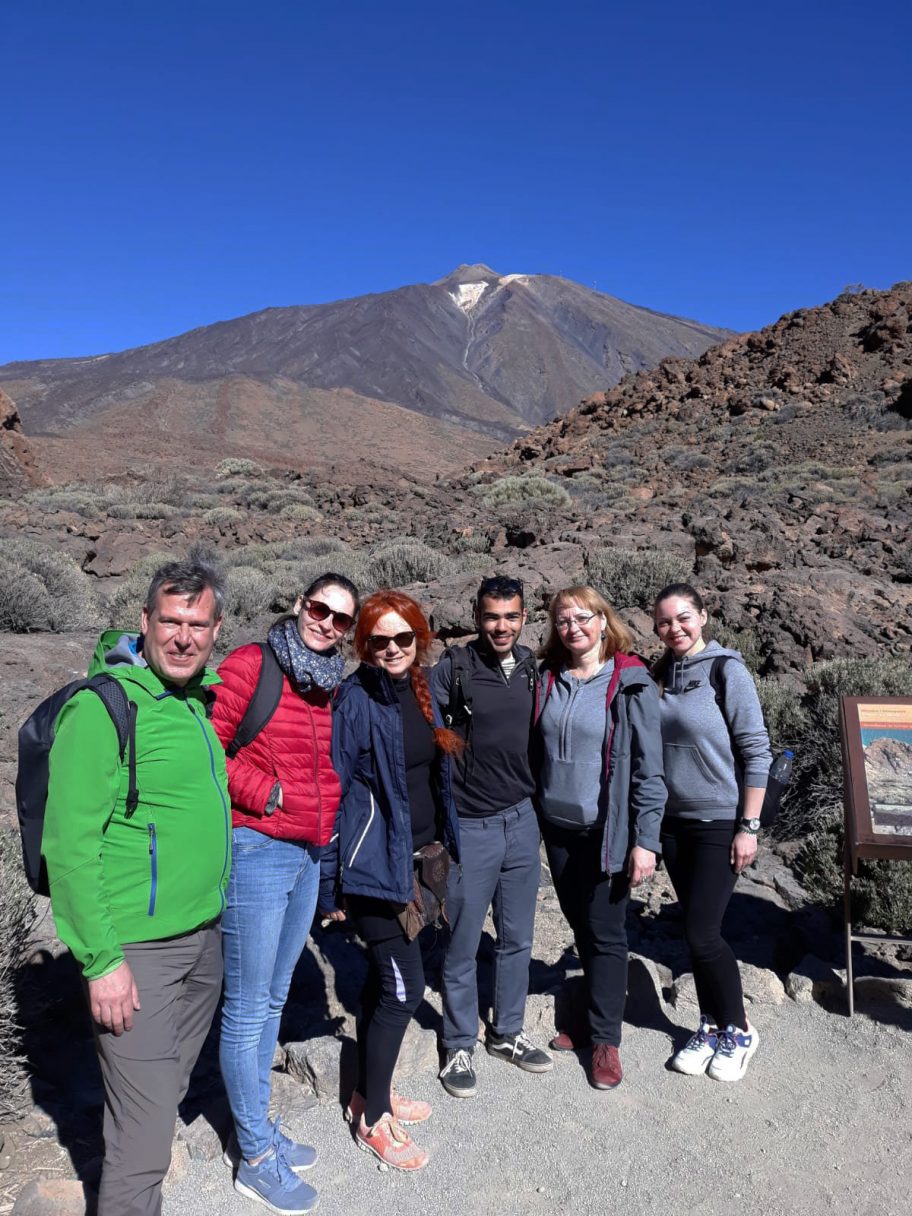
{"x": 486, "y": 692}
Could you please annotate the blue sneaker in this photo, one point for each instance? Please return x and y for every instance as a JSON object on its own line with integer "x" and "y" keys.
{"x": 272, "y": 1183}
{"x": 300, "y": 1157}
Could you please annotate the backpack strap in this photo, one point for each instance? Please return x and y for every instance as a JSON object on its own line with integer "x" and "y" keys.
{"x": 123, "y": 715}
{"x": 717, "y": 680}
{"x": 263, "y": 704}
{"x": 459, "y": 706}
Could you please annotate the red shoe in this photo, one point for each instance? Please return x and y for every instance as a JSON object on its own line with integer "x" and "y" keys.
{"x": 563, "y": 1041}
{"x": 606, "y": 1066}
{"x": 405, "y": 1110}
{"x": 391, "y": 1143}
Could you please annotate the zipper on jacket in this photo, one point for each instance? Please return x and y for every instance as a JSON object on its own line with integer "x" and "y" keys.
{"x": 225, "y": 807}
{"x": 316, "y": 766}
{"x": 370, "y": 820}
{"x": 153, "y": 866}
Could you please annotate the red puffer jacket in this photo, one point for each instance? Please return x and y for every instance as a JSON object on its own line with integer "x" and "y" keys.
{"x": 293, "y": 750}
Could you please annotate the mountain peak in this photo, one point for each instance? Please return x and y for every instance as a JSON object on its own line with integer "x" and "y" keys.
{"x": 477, "y": 273}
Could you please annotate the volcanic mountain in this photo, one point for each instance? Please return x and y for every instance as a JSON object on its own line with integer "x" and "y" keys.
{"x": 475, "y": 357}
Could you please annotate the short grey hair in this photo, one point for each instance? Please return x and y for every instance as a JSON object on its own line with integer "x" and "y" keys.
{"x": 191, "y": 578}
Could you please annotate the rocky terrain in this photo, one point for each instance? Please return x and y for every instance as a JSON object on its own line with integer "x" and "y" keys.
{"x": 425, "y": 378}
{"x": 18, "y": 466}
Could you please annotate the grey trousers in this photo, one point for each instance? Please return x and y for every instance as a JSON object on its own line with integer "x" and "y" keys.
{"x": 146, "y": 1070}
{"x": 499, "y": 869}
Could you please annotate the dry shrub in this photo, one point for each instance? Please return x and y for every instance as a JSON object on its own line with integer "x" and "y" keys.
{"x": 17, "y": 914}
{"x": 43, "y": 590}
{"x": 631, "y": 578}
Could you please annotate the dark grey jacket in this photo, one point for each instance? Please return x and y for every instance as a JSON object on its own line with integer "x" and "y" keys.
{"x": 632, "y": 756}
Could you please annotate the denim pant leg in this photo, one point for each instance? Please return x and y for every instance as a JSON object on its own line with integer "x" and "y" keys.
{"x": 514, "y": 904}
{"x": 272, "y": 896}
{"x": 471, "y": 888}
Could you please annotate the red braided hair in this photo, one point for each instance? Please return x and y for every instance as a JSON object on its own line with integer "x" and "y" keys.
{"x": 378, "y": 605}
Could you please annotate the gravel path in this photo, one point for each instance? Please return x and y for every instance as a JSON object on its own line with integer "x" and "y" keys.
{"x": 820, "y": 1124}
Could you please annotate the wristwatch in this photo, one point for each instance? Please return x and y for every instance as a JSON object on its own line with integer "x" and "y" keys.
{"x": 751, "y": 826}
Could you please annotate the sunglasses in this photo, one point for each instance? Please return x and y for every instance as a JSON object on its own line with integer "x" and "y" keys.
{"x": 500, "y": 587}
{"x": 320, "y": 611}
{"x": 382, "y": 641}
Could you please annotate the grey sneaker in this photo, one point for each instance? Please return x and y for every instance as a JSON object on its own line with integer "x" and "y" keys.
{"x": 519, "y": 1050}
{"x": 458, "y": 1076}
{"x": 272, "y": 1183}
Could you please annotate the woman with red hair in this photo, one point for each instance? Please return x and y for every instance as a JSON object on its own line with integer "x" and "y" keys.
{"x": 391, "y": 752}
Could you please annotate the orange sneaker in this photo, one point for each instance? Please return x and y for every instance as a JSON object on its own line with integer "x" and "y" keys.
{"x": 405, "y": 1110}
{"x": 390, "y": 1143}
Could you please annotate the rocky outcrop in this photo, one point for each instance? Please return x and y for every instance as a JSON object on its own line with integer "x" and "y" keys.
{"x": 18, "y": 466}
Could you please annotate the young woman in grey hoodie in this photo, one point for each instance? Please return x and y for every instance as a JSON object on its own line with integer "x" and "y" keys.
{"x": 600, "y": 796}
{"x": 717, "y": 759}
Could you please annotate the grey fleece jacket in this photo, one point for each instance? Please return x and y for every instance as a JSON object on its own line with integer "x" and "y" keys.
{"x": 624, "y": 784}
{"x": 700, "y": 771}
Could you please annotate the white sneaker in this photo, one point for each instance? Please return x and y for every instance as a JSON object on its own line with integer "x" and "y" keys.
{"x": 699, "y": 1049}
{"x": 734, "y": 1050}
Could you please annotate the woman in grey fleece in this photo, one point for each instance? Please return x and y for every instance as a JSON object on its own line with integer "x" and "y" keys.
{"x": 601, "y": 796}
{"x": 717, "y": 760}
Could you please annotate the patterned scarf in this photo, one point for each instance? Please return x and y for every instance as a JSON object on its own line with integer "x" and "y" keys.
{"x": 308, "y": 668}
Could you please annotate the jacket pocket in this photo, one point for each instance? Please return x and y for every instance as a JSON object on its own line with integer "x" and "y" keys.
{"x": 687, "y": 774}
{"x": 153, "y": 868}
{"x": 359, "y": 839}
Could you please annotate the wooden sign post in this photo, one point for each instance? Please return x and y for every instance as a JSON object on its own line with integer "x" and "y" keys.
{"x": 877, "y": 767}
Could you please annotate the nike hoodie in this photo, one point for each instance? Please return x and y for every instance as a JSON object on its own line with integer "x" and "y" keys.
{"x": 703, "y": 776}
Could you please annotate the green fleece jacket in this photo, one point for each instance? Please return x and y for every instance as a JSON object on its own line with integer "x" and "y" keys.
{"x": 162, "y": 871}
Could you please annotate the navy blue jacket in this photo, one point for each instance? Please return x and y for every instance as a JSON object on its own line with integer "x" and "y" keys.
{"x": 370, "y": 852}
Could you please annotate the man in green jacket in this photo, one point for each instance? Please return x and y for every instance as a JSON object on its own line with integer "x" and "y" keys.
{"x": 137, "y": 892}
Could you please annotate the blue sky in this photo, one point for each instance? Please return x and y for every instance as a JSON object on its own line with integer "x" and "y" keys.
{"x": 169, "y": 165}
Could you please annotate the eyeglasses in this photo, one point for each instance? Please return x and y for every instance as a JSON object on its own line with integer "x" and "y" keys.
{"x": 320, "y": 611}
{"x": 580, "y": 619}
{"x": 383, "y": 641}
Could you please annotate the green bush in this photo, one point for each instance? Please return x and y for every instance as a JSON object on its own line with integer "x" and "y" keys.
{"x": 126, "y": 602}
{"x": 220, "y": 517}
{"x": 17, "y": 914}
{"x": 743, "y": 640}
{"x": 237, "y": 467}
{"x": 42, "y": 589}
{"x": 251, "y": 593}
{"x": 813, "y": 809}
{"x": 631, "y": 578}
{"x": 523, "y": 491}
{"x": 397, "y": 563}
{"x": 300, "y": 513}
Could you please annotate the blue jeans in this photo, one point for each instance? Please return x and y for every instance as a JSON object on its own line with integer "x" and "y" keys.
{"x": 499, "y": 868}
{"x": 272, "y": 896}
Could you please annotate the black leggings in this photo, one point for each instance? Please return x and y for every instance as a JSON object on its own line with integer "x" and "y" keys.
{"x": 697, "y": 855}
{"x": 391, "y": 994}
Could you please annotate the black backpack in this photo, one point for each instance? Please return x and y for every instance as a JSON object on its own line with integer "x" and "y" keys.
{"x": 36, "y": 738}
{"x": 773, "y": 795}
{"x": 262, "y": 705}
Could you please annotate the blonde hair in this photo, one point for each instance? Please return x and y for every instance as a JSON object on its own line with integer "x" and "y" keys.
{"x": 617, "y": 637}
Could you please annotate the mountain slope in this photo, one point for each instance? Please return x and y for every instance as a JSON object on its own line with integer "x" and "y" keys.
{"x": 488, "y": 352}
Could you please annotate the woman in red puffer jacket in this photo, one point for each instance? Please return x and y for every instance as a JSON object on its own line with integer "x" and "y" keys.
{"x": 284, "y": 797}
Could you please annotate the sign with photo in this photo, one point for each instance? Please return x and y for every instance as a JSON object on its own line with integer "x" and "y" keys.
{"x": 877, "y": 760}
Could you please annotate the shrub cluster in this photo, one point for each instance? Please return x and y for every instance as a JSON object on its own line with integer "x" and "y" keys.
{"x": 630, "y": 578}
{"x": 42, "y": 589}
{"x": 524, "y": 491}
{"x": 17, "y": 914}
